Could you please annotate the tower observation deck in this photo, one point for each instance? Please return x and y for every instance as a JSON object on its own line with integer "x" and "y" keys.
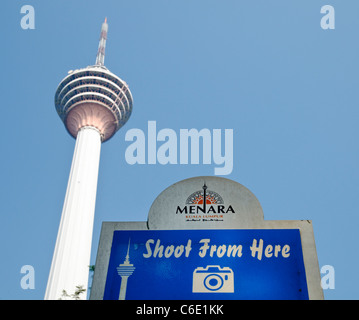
{"x": 94, "y": 104}
{"x": 94, "y": 96}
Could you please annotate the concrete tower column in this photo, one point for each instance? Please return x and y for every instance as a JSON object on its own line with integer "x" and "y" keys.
{"x": 71, "y": 259}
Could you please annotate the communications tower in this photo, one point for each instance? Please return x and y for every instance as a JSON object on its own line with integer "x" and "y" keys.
{"x": 93, "y": 103}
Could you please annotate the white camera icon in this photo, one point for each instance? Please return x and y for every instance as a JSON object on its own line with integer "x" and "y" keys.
{"x": 213, "y": 279}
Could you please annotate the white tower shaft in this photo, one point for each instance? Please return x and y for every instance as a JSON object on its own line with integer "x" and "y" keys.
{"x": 71, "y": 259}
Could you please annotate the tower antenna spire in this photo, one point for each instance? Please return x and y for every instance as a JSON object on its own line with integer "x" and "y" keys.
{"x": 100, "y": 58}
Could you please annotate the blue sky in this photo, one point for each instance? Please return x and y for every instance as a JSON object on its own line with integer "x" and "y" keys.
{"x": 266, "y": 69}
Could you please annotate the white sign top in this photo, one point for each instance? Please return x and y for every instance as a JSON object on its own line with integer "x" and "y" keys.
{"x": 228, "y": 205}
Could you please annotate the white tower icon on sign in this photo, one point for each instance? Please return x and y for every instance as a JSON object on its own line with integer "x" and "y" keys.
{"x": 125, "y": 270}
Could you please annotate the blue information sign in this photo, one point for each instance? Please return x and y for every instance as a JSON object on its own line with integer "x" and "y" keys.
{"x": 206, "y": 264}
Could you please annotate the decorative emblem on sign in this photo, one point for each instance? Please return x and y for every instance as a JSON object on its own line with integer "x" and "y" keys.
{"x": 198, "y": 196}
{"x": 204, "y": 205}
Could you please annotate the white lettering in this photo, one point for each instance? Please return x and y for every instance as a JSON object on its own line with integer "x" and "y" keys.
{"x": 28, "y": 280}
{"x": 167, "y": 152}
{"x": 221, "y": 251}
{"x": 194, "y": 135}
{"x": 179, "y": 251}
{"x": 160, "y": 251}
{"x": 257, "y": 250}
{"x": 154, "y": 248}
{"x": 327, "y": 21}
{"x": 169, "y": 250}
{"x": 28, "y": 20}
{"x": 204, "y": 248}
{"x": 136, "y": 152}
{"x": 268, "y": 251}
{"x": 148, "y": 247}
{"x": 188, "y": 248}
{"x": 234, "y": 250}
{"x": 227, "y": 159}
{"x": 328, "y": 280}
{"x": 151, "y": 128}
{"x": 285, "y": 251}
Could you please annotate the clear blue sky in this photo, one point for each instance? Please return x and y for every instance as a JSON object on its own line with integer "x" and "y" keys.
{"x": 265, "y": 69}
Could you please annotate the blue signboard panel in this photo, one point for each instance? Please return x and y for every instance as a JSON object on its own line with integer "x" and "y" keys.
{"x": 206, "y": 264}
